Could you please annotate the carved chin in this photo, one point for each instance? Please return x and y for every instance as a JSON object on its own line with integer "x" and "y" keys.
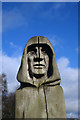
{"x": 39, "y": 70}
{"x": 38, "y": 75}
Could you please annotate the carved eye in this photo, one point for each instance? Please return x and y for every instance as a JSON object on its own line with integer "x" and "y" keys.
{"x": 32, "y": 52}
{"x": 44, "y": 51}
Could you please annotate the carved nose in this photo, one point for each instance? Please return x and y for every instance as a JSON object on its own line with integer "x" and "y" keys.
{"x": 37, "y": 59}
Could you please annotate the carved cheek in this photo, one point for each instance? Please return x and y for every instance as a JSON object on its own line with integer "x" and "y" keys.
{"x": 46, "y": 59}
{"x": 31, "y": 57}
{"x": 31, "y": 61}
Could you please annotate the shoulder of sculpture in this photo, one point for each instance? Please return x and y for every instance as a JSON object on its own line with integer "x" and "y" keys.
{"x": 59, "y": 88}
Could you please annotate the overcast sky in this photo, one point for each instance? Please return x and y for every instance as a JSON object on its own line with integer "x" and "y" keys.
{"x": 56, "y": 21}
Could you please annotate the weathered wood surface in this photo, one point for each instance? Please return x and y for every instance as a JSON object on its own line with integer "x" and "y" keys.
{"x": 45, "y": 102}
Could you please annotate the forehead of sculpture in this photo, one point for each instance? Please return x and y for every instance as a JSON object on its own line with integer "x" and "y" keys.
{"x": 38, "y": 39}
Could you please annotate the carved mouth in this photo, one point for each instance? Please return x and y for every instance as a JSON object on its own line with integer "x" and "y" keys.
{"x": 38, "y": 66}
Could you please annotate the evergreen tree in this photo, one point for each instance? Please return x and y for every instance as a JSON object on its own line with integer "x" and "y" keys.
{"x": 7, "y": 100}
{"x": 0, "y": 97}
{"x": 4, "y": 96}
{"x": 4, "y": 85}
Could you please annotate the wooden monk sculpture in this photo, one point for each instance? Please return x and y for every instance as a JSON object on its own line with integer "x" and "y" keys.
{"x": 40, "y": 94}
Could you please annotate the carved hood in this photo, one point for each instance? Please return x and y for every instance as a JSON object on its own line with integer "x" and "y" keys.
{"x": 23, "y": 73}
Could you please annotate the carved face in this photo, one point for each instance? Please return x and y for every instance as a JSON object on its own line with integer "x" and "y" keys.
{"x": 38, "y": 63}
{"x": 38, "y": 60}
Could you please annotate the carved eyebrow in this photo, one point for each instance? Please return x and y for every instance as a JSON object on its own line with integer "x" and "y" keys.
{"x": 45, "y": 47}
{"x": 31, "y": 48}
